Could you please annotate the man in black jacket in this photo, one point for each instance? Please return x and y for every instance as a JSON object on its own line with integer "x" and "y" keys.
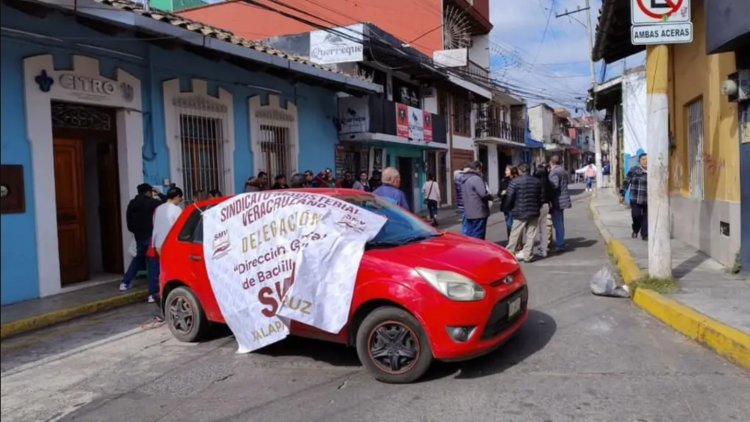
{"x": 139, "y": 216}
{"x": 525, "y": 196}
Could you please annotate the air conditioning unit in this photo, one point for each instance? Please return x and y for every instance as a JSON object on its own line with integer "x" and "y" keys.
{"x": 737, "y": 87}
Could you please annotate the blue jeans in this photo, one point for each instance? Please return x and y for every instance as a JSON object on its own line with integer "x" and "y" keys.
{"x": 476, "y": 228}
{"x": 153, "y": 276}
{"x": 138, "y": 263}
{"x": 558, "y": 222}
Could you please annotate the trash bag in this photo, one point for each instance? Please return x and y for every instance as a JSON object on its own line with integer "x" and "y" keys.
{"x": 604, "y": 283}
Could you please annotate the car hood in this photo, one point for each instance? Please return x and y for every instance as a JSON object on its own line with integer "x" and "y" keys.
{"x": 478, "y": 260}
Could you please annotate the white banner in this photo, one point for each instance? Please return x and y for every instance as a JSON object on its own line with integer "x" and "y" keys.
{"x": 416, "y": 125}
{"x": 276, "y": 256}
{"x": 354, "y": 115}
{"x": 337, "y": 45}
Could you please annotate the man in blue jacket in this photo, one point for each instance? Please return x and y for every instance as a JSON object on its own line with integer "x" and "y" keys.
{"x": 389, "y": 190}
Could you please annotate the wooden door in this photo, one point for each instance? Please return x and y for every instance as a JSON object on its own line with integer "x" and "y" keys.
{"x": 109, "y": 207}
{"x": 71, "y": 211}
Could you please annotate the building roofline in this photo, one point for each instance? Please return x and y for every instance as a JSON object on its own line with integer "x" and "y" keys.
{"x": 199, "y": 35}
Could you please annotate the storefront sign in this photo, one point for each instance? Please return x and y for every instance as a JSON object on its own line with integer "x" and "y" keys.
{"x": 416, "y": 124}
{"x": 85, "y": 87}
{"x": 337, "y": 45}
{"x": 354, "y": 115}
{"x": 273, "y": 257}
{"x": 402, "y": 120}
{"x": 427, "y": 127}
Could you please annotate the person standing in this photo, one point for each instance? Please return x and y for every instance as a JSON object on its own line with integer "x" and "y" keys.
{"x": 298, "y": 181}
{"x": 510, "y": 173}
{"x": 637, "y": 181}
{"x": 390, "y": 191}
{"x": 376, "y": 180}
{"x": 309, "y": 178}
{"x": 279, "y": 183}
{"x": 544, "y": 226}
{"x": 605, "y": 174}
{"x": 348, "y": 182}
{"x": 475, "y": 201}
{"x": 525, "y": 197}
{"x": 431, "y": 192}
{"x": 139, "y": 217}
{"x": 559, "y": 179}
{"x": 590, "y": 174}
{"x": 164, "y": 218}
{"x": 362, "y": 183}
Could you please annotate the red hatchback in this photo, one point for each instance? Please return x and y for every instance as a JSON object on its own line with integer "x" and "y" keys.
{"x": 419, "y": 295}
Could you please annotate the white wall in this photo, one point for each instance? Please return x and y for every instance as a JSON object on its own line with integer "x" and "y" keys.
{"x": 479, "y": 52}
{"x": 634, "y": 115}
{"x": 540, "y": 123}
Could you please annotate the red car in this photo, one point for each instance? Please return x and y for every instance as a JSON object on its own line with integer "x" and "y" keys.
{"x": 420, "y": 294}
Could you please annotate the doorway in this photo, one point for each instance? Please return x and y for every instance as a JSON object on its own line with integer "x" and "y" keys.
{"x": 406, "y": 170}
{"x": 484, "y": 159}
{"x": 87, "y": 196}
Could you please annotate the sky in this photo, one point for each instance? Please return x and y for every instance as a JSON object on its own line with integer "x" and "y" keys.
{"x": 545, "y": 57}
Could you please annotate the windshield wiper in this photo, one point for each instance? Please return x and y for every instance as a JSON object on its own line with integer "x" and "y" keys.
{"x": 401, "y": 242}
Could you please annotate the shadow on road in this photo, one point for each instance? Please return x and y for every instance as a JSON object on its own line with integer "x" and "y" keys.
{"x": 531, "y": 338}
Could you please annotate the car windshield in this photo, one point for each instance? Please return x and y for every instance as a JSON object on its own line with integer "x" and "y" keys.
{"x": 400, "y": 229}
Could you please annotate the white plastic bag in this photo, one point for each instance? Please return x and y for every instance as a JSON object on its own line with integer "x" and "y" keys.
{"x": 603, "y": 283}
{"x": 133, "y": 248}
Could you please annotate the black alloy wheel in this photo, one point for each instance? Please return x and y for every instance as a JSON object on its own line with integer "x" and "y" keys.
{"x": 184, "y": 315}
{"x": 392, "y": 345}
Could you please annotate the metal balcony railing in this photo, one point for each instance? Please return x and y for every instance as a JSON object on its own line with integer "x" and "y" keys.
{"x": 501, "y": 130}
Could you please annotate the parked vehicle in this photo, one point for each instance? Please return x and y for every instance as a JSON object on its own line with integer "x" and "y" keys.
{"x": 420, "y": 294}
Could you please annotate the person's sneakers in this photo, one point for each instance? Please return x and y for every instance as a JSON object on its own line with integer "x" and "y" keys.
{"x": 154, "y": 299}
{"x": 124, "y": 287}
{"x": 634, "y": 235}
{"x": 644, "y": 238}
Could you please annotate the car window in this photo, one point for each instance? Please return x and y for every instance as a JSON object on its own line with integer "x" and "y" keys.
{"x": 186, "y": 234}
{"x": 401, "y": 226}
{"x": 192, "y": 231}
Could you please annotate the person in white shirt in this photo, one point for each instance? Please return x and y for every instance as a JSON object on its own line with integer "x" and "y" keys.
{"x": 431, "y": 192}
{"x": 164, "y": 218}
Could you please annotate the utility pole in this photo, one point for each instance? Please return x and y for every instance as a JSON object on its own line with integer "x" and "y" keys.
{"x": 657, "y": 145}
{"x": 595, "y": 117}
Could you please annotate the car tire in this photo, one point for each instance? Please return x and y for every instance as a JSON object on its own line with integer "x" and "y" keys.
{"x": 393, "y": 346}
{"x": 184, "y": 315}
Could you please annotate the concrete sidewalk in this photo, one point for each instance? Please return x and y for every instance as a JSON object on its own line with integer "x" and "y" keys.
{"x": 706, "y": 287}
{"x": 38, "y": 313}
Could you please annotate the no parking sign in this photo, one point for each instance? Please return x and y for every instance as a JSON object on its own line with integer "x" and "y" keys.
{"x": 661, "y": 22}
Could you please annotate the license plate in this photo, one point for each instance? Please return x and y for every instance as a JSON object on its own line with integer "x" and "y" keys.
{"x": 514, "y": 307}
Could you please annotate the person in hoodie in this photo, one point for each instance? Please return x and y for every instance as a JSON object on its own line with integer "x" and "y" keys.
{"x": 139, "y": 217}
{"x": 476, "y": 201}
{"x": 389, "y": 190}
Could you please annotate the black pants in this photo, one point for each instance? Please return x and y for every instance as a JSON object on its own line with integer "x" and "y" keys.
{"x": 640, "y": 219}
{"x": 432, "y": 207}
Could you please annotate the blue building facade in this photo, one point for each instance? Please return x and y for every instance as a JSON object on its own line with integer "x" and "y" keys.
{"x": 88, "y": 114}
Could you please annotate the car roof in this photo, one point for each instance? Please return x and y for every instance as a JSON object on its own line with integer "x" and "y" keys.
{"x": 337, "y": 192}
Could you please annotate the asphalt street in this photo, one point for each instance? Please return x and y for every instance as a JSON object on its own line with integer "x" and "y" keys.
{"x": 578, "y": 357}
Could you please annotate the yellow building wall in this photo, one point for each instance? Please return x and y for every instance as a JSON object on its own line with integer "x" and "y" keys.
{"x": 695, "y": 75}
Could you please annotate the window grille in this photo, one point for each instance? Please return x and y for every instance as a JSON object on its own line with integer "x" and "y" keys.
{"x": 274, "y": 147}
{"x": 201, "y": 126}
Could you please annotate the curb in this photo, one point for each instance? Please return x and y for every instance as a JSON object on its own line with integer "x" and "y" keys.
{"x": 726, "y": 341}
{"x": 62, "y": 315}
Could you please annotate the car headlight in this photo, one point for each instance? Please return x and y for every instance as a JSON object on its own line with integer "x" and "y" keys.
{"x": 452, "y": 285}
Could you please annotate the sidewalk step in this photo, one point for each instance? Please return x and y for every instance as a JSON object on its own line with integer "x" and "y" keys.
{"x": 38, "y": 313}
